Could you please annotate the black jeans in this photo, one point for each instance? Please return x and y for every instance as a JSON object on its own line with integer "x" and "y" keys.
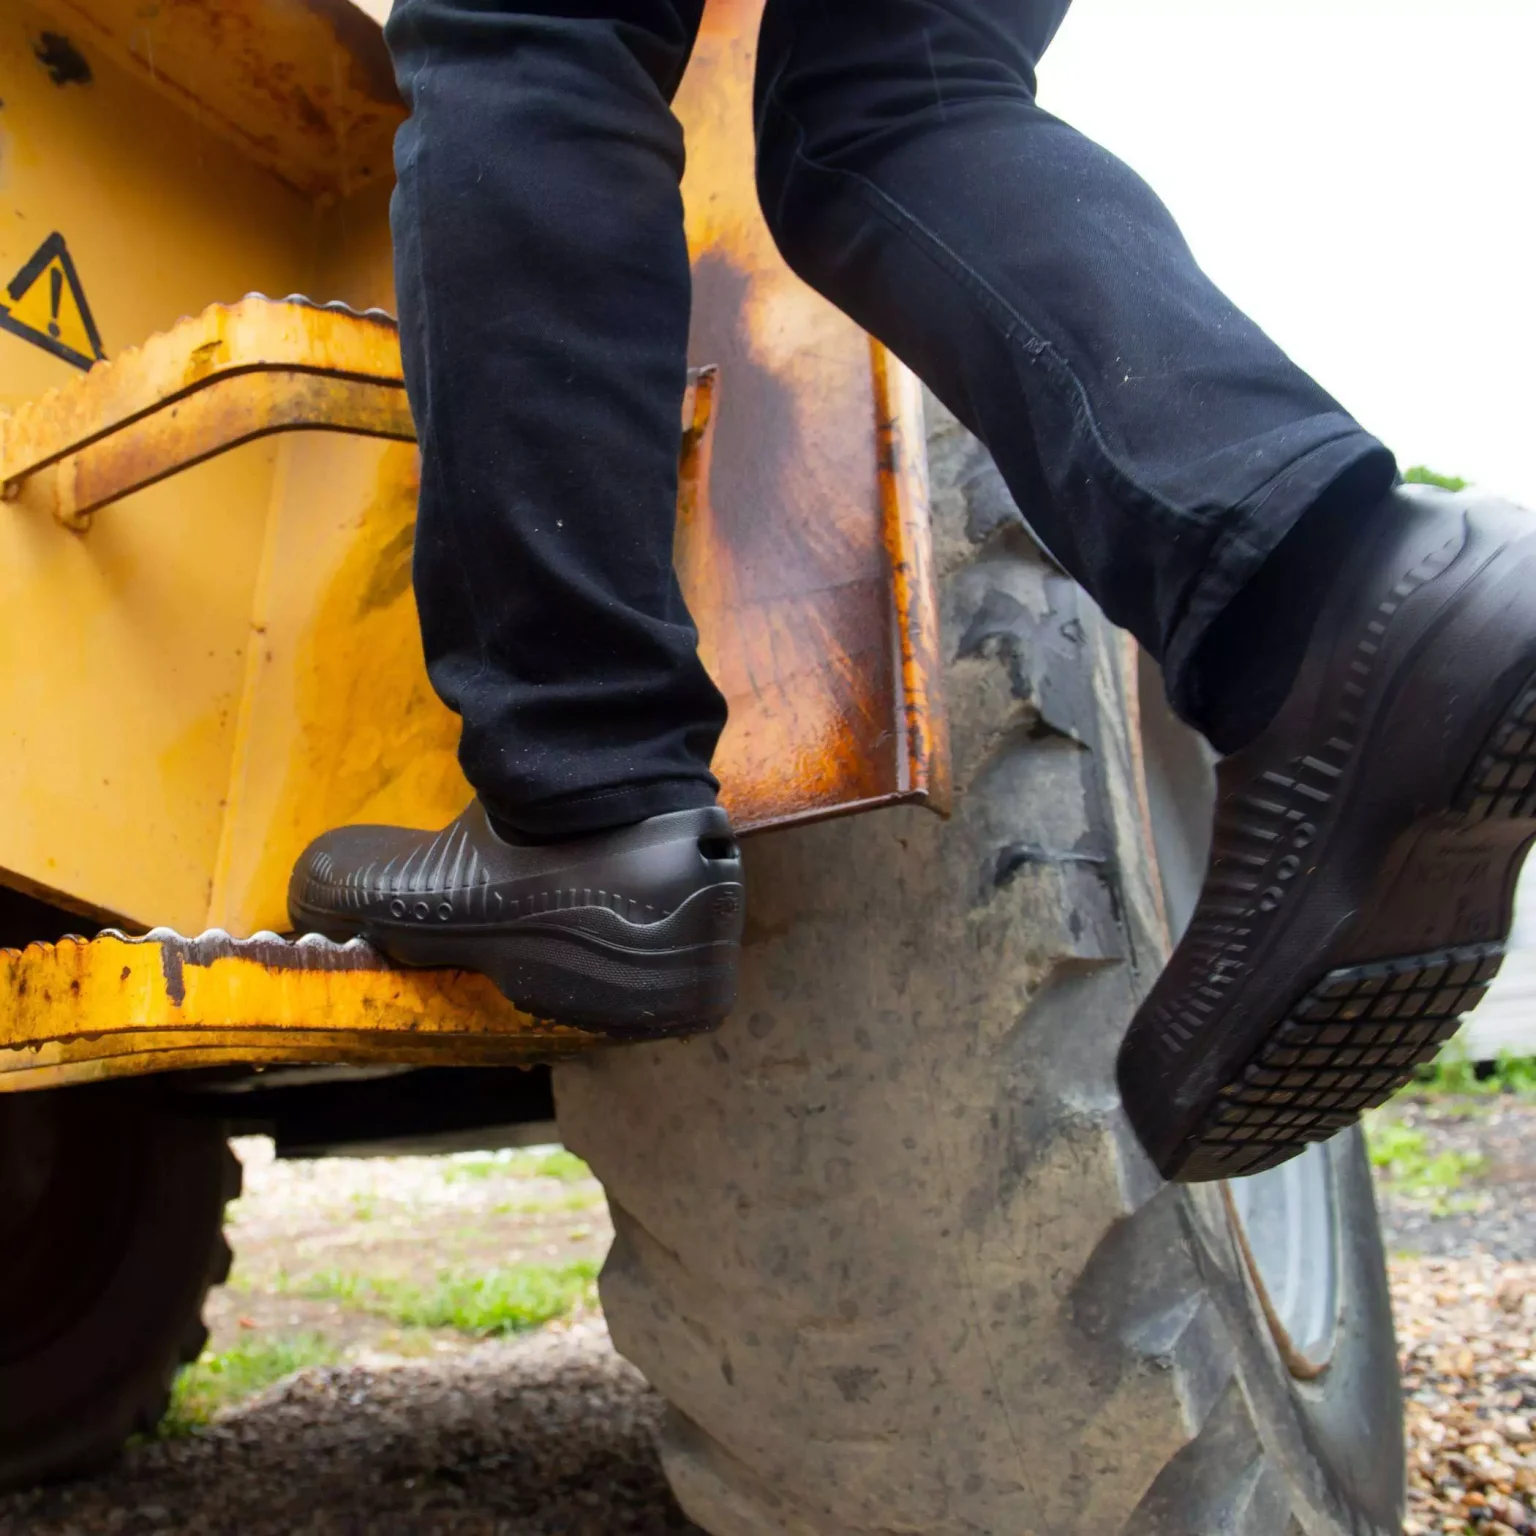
{"x": 1160, "y": 444}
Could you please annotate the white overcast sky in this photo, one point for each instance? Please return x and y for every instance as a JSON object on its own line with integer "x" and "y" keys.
{"x": 1360, "y": 176}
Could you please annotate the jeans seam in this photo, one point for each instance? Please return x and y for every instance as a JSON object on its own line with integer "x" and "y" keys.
{"x": 426, "y": 433}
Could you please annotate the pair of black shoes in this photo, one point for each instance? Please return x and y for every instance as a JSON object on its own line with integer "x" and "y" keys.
{"x": 1359, "y": 893}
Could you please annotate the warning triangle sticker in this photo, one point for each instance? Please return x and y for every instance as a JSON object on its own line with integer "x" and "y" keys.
{"x": 47, "y": 306}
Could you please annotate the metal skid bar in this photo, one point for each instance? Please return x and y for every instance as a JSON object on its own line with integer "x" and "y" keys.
{"x": 231, "y": 374}
{"x": 228, "y": 376}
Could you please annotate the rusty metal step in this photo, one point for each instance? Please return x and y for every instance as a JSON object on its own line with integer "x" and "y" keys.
{"x": 116, "y": 1005}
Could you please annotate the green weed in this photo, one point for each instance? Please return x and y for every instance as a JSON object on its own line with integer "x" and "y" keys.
{"x": 559, "y": 1164}
{"x": 1401, "y": 1154}
{"x": 410, "y": 1344}
{"x": 1419, "y": 475}
{"x": 1453, "y": 1073}
{"x": 213, "y": 1382}
{"x": 483, "y": 1165}
{"x": 528, "y": 1163}
{"x": 511, "y": 1299}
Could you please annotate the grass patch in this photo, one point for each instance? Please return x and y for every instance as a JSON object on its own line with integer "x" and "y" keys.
{"x": 1401, "y": 1154}
{"x": 512, "y": 1299}
{"x": 1420, "y": 475}
{"x": 554, "y": 1205}
{"x": 483, "y": 1165}
{"x": 213, "y": 1382}
{"x": 557, "y": 1164}
{"x": 525, "y": 1163}
{"x": 1453, "y": 1073}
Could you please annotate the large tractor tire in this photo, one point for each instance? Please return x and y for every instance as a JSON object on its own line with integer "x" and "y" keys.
{"x": 111, "y": 1218}
{"x": 886, "y": 1243}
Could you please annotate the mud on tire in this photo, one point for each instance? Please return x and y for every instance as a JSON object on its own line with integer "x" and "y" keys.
{"x": 886, "y": 1243}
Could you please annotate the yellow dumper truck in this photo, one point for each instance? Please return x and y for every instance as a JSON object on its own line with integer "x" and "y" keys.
{"x": 885, "y": 1243}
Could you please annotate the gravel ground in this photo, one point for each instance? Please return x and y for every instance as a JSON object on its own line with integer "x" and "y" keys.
{"x": 426, "y": 1430}
{"x": 1463, "y": 1261}
{"x": 417, "y": 1431}
{"x": 546, "y": 1435}
{"x": 1469, "y": 1371}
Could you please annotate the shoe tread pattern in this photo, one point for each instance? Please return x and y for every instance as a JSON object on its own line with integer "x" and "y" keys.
{"x": 1348, "y": 1045}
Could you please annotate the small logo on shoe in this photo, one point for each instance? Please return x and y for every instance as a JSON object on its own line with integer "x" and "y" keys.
{"x": 725, "y": 904}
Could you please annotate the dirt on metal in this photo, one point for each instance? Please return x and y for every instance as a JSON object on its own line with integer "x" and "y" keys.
{"x": 305, "y": 88}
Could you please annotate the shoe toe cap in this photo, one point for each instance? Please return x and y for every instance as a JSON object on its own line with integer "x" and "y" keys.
{"x": 337, "y": 873}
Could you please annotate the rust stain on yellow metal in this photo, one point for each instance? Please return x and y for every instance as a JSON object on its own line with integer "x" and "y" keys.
{"x": 256, "y": 336}
{"x": 908, "y": 534}
{"x": 79, "y": 1011}
{"x": 372, "y": 741}
{"x": 303, "y": 87}
{"x": 785, "y": 564}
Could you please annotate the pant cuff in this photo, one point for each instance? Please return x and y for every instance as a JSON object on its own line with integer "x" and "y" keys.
{"x": 1351, "y": 472}
{"x": 602, "y": 810}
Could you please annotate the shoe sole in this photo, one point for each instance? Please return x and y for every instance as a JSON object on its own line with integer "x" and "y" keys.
{"x": 642, "y": 988}
{"x": 1355, "y": 1034}
{"x": 633, "y": 996}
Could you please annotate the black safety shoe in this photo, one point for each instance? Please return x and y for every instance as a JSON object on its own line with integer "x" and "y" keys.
{"x": 1365, "y": 852}
{"x": 635, "y": 933}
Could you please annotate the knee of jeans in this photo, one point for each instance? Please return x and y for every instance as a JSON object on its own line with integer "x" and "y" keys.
{"x": 791, "y": 215}
{"x": 774, "y": 156}
{"x": 402, "y": 34}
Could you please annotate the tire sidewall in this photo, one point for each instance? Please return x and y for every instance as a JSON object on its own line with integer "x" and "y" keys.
{"x": 1338, "y": 1437}
{"x": 105, "y": 1372}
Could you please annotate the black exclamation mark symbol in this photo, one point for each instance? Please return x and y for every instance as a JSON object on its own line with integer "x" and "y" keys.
{"x": 56, "y": 274}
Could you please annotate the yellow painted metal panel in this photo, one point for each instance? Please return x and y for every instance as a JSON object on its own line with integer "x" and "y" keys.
{"x": 125, "y": 650}
{"x": 340, "y": 723}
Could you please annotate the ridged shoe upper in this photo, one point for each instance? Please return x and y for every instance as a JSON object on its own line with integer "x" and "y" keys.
{"x": 356, "y": 878}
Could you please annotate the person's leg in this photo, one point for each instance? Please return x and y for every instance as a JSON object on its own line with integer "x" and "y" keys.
{"x": 1367, "y": 656}
{"x": 1159, "y": 442}
{"x": 544, "y": 297}
{"x": 544, "y": 302}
